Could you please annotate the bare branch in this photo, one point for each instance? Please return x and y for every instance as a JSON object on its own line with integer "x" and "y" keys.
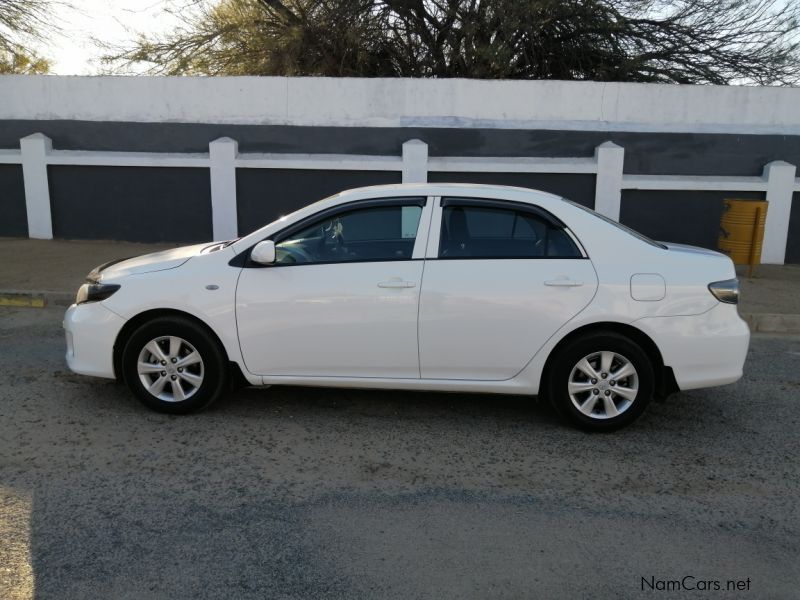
{"x": 680, "y": 41}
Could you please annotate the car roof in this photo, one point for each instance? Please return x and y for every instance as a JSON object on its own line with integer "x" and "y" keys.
{"x": 447, "y": 189}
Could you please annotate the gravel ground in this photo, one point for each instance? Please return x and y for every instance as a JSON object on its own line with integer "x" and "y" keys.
{"x": 312, "y": 493}
{"x": 772, "y": 289}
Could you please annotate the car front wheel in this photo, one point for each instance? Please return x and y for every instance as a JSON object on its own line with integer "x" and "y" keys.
{"x": 174, "y": 365}
{"x": 601, "y": 382}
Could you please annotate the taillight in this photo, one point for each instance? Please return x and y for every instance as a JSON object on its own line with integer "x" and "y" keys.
{"x": 725, "y": 291}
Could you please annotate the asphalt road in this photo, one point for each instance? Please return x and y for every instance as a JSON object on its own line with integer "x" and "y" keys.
{"x": 314, "y": 493}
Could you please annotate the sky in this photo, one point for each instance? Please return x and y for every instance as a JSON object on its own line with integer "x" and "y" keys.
{"x": 114, "y": 21}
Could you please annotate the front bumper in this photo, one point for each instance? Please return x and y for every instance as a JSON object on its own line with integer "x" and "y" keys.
{"x": 703, "y": 350}
{"x": 91, "y": 330}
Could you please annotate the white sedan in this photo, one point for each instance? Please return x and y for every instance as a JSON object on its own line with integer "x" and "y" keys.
{"x": 455, "y": 288}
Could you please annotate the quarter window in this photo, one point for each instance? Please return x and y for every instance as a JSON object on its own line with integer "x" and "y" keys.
{"x": 492, "y": 232}
{"x": 376, "y": 233}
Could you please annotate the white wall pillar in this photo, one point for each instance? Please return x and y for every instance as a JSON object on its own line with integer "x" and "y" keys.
{"x": 222, "y": 154}
{"x": 610, "y": 159}
{"x": 415, "y": 162}
{"x": 780, "y": 186}
{"x": 34, "y": 149}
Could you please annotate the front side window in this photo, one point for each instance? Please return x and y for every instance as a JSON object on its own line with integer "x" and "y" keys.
{"x": 375, "y": 233}
{"x": 494, "y": 232}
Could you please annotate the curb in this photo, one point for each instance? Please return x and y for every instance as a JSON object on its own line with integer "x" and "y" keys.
{"x": 35, "y": 299}
{"x": 772, "y": 323}
{"x": 758, "y": 322}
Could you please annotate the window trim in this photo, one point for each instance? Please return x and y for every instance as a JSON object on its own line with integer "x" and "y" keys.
{"x": 243, "y": 259}
{"x": 505, "y": 205}
{"x": 514, "y": 205}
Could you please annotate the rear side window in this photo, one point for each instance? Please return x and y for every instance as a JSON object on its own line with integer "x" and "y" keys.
{"x": 495, "y": 232}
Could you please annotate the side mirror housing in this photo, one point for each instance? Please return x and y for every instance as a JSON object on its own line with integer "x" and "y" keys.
{"x": 263, "y": 253}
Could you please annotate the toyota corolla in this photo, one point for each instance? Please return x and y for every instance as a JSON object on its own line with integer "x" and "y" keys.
{"x": 454, "y": 288}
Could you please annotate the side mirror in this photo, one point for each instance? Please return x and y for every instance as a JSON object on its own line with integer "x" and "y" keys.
{"x": 263, "y": 253}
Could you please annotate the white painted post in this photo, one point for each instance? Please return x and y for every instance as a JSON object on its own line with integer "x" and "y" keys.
{"x": 222, "y": 154}
{"x": 35, "y": 149}
{"x": 780, "y": 186}
{"x": 415, "y": 162}
{"x": 610, "y": 159}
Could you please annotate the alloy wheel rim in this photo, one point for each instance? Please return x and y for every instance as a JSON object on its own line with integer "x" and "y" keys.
{"x": 170, "y": 368}
{"x": 603, "y": 385}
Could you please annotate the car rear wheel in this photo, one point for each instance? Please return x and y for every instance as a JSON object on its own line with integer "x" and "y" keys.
{"x": 601, "y": 382}
{"x": 174, "y": 365}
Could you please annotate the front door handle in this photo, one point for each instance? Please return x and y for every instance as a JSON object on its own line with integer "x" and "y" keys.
{"x": 397, "y": 283}
{"x": 563, "y": 282}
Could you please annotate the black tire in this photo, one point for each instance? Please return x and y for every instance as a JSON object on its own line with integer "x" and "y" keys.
{"x": 567, "y": 359}
{"x": 213, "y": 368}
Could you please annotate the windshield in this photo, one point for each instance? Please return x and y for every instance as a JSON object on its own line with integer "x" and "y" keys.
{"x": 618, "y": 225}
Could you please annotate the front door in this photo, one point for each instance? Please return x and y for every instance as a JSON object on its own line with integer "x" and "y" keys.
{"x": 342, "y": 298}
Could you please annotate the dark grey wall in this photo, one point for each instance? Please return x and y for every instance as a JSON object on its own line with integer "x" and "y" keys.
{"x": 655, "y": 153}
{"x": 579, "y": 188}
{"x": 13, "y": 215}
{"x": 793, "y": 244}
{"x": 680, "y": 217}
{"x": 263, "y": 195}
{"x": 131, "y": 203}
{"x": 115, "y": 202}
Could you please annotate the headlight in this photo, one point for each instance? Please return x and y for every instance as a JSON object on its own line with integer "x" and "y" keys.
{"x": 725, "y": 291}
{"x": 95, "y": 292}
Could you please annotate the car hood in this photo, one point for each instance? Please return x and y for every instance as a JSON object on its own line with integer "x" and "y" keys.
{"x": 147, "y": 263}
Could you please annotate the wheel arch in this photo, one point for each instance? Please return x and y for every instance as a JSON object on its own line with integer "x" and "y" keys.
{"x": 237, "y": 377}
{"x": 665, "y": 378}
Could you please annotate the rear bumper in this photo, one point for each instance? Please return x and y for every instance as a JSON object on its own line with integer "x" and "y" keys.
{"x": 703, "y": 350}
{"x": 91, "y": 330}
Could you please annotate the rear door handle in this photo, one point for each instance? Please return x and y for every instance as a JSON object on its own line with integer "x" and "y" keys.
{"x": 397, "y": 283}
{"x": 563, "y": 282}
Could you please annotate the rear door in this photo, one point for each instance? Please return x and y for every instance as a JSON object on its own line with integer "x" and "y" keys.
{"x": 503, "y": 278}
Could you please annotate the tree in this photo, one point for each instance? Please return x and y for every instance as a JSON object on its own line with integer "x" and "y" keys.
{"x": 681, "y": 41}
{"x": 22, "y": 63}
{"x": 21, "y": 23}
{"x": 267, "y": 37}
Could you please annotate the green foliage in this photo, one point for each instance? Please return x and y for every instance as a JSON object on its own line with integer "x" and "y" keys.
{"x": 22, "y": 22}
{"x": 21, "y": 62}
{"x": 683, "y": 41}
